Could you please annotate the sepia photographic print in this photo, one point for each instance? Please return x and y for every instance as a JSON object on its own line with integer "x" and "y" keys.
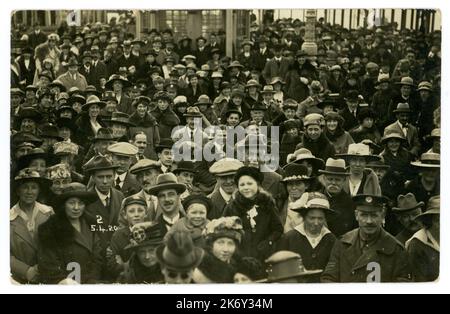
{"x": 225, "y": 146}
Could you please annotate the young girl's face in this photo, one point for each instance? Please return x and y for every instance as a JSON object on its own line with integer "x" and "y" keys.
{"x": 196, "y": 214}
{"x": 248, "y": 187}
{"x": 293, "y": 132}
{"x": 134, "y": 214}
{"x": 290, "y": 114}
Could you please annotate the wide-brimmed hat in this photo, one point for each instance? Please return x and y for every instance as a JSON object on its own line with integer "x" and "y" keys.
{"x": 435, "y": 134}
{"x": 402, "y": 108}
{"x": 406, "y": 81}
{"x": 28, "y": 113}
{"x": 203, "y": 100}
{"x": 104, "y": 134}
{"x": 185, "y": 166}
{"x": 93, "y": 100}
{"x": 77, "y": 190}
{"x": 91, "y": 89}
{"x": 120, "y": 118}
{"x": 116, "y": 77}
{"x": 35, "y": 153}
{"x": 295, "y": 172}
{"x": 335, "y": 167}
{"x": 50, "y": 131}
{"x": 179, "y": 253}
{"x": 162, "y": 95}
{"x": 285, "y": 265}
{"x": 167, "y": 181}
{"x": 313, "y": 200}
{"x": 433, "y": 208}
{"x": 235, "y": 64}
{"x": 377, "y": 164}
{"x": 304, "y": 154}
{"x": 99, "y": 163}
{"x": 358, "y": 150}
{"x": 259, "y": 106}
{"x": 57, "y": 83}
{"x": 30, "y": 174}
{"x": 237, "y": 92}
{"x": 252, "y": 83}
{"x": 76, "y": 98}
{"x": 140, "y": 237}
{"x": 406, "y": 203}
{"x": 276, "y": 80}
{"x": 393, "y": 134}
{"x": 428, "y": 160}
{"x": 25, "y": 137}
{"x": 192, "y": 112}
{"x": 225, "y": 227}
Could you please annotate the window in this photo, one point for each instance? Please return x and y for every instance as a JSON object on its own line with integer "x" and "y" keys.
{"x": 176, "y": 20}
{"x": 212, "y": 21}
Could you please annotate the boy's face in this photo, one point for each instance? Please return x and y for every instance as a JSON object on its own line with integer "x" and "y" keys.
{"x": 135, "y": 213}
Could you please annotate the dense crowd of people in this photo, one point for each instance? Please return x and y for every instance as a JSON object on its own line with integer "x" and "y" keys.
{"x": 95, "y": 181}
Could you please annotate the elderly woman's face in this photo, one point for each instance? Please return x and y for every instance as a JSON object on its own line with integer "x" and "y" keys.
{"x": 296, "y": 189}
{"x": 314, "y": 221}
{"x": 147, "y": 256}
{"x": 39, "y": 165}
{"x": 196, "y": 214}
{"x": 74, "y": 208}
{"x": 357, "y": 165}
{"x": 248, "y": 187}
{"x": 28, "y": 192}
{"x": 59, "y": 184}
{"x": 224, "y": 249}
{"x": 117, "y": 86}
{"x": 163, "y": 104}
{"x": 28, "y": 125}
{"x": 141, "y": 110}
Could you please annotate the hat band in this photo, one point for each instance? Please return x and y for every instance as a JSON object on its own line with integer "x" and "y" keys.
{"x": 335, "y": 169}
{"x": 431, "y": 162}
{"x": 297, "y": 178}
{"x": 318, "y": 203}
{"x": 292, "y": 267}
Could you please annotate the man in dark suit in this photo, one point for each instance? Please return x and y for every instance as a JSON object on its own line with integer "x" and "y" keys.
{"x": 99, "y": 69}
{"x": 103, "y": 214}
{"x": 202, "y": 53}
{"x": 350, "y": 112}
{"x": 36, "y": 37}
{"x": 27, "y": 66}
{"x": 127, "y": 59}
{"x": 403, "y": 126}
{"x": 224, "y": 170}
{"x": 263, "y": 54}
{"x": 122, "y": 155}
{"x": 277, "y": 66}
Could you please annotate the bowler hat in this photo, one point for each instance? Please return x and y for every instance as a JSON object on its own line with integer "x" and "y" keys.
{"x": 165, "y": 143}
{"x": 402, "y": 108}
{"x": 185, "y": 166}
{"x": 408, "y": 81}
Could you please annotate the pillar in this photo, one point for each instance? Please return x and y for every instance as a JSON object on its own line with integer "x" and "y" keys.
{"x": 48, "y": 18}
{"x": 194, "y": 24}
{"x": 310, "y": 45}
{"x": 230, "y": 30}
{"x": 138, "y": 15}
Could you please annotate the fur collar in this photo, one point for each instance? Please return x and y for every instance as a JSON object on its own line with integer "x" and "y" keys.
{"x": 56, "y": 232}
{"x": 216, "y": 270}
{"x": 147, "y": 121}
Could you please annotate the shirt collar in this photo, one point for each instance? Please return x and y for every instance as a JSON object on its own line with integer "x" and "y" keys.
{"x": 122, "y": 176}
{"x": 227, "y": 197}
{"x": 103, "y": 196}
{"x": 301, "y": 229}
{"x": 173, "y": 220}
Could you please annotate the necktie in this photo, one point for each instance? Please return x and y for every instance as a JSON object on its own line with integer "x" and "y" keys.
{"x": 107, "y": 201}
{"x": 118, "y": 181}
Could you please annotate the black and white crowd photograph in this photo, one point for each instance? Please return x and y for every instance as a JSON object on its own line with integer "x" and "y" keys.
{"x": 224, "y": 146}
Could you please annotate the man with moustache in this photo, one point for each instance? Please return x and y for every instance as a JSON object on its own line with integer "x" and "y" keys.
{"x": 333, "y": 179}
{"x": 224, "y": 171}
{"x": 368, "y": 253}
{"x": 406, "y": 211}
{"x": 168, "y": 192}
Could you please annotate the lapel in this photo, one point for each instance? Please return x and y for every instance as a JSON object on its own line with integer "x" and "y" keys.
{"x": 20, "y": 229}
{"x": 84, "y": 238}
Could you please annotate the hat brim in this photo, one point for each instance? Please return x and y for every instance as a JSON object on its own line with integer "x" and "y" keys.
{"x": 147, "y": 243}
{"x": 125, "y": 83}
{"x": 282, "y": 278}
{"x": 403, "y": 210}
{"x": 428, "y": 213}
{"x": 303, "y": 210}
{"x": 334, "y": 173}
{"x": 407, "y": 84}
{"x": 368, "y": 158}
{"x": 422, "y": 165}
{"x": 198, "y": 253}
{"x": 43, "y": 182}
{"x": 192, "y": 115}
{"x": 86, "y": 107}
{"x": 86, "y": 196}
{"x": 296, "y": 179}
{"x": 316, "y": 162}
{"x": 180, "y": 188}
{"x": 385, "y": 139}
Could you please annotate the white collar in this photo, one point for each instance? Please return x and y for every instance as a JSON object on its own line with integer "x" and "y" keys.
{"x": 103, "y": 196}
{"x": 278, "y": 59}
{"x": 173, "y": 220}
{"x": 164, "y": 168}
{"x": 424, "y": 236}
{"x": 401, "y": 125}
{"x": 313, "y": 241}
{"x": 16, "y": 211}
{"x": 227, "y": 197}
{"x": 122, "y": 176}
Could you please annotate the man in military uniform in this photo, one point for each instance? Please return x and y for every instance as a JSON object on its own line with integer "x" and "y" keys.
{"x": 368, "y": 253}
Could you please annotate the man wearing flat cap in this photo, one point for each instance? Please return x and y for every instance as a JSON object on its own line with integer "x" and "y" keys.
{"x": 123, "y": 154}
{"x": 103, "y": 213}
{"x": 224, "y": 171}
{"x": 368, "y": 253}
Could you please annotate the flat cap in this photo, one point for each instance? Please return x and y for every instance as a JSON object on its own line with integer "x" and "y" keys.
{"x": 226, "y": 167}
{"x": 144, "y": 164}
{"x": 123, "y": 148}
